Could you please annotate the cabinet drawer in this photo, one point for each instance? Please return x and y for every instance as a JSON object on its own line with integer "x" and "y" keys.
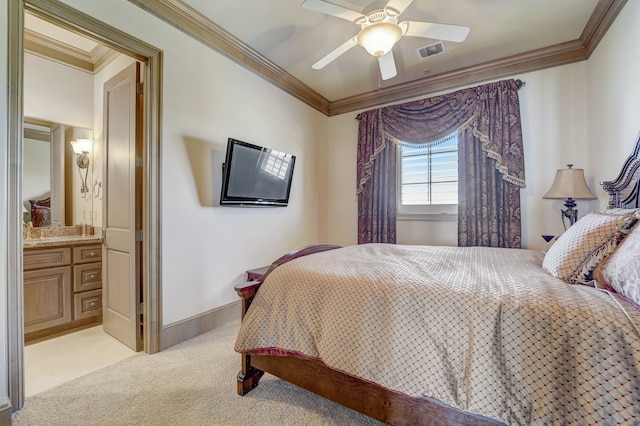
{"x": 47, "y": 300}
{"x": 46, "y": 258}
{"x": 87, "y": 276}
{"x": 85, "y": 254}
{"x": 87, "y": 304}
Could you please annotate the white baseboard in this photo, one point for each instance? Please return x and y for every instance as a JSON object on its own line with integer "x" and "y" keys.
{"x": 186, "y": 329}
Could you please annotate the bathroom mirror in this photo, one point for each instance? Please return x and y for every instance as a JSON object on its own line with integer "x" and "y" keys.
{"x": 56, "y": 191}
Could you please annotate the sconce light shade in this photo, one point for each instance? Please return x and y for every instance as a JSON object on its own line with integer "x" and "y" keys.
{"x": 378, "y": 38}
{"x": 82, "y": 146}
{"x": 570, "y": 184}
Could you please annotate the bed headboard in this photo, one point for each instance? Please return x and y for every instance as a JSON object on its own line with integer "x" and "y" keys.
{"x": 624, "y": 191}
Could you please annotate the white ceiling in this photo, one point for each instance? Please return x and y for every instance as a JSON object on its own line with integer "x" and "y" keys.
{"x": 294, "y": 38}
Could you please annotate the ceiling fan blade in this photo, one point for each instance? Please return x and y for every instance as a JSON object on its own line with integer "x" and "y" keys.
{"x": 387, "y": 66}
{"x": 332, "y": 9}
{"x": 444, "y": 32}
{"x": 335, "y": 53}
{"x": 399, "y": 5}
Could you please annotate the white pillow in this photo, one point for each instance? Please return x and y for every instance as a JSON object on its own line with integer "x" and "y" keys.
{"x": 621, "y": 270}
{"x": 584, "y": 245}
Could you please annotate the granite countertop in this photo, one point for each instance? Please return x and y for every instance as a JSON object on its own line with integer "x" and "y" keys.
{"x": 60, "y": 241}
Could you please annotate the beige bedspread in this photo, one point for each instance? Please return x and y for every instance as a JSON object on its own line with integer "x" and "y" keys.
{"x": 485, "y": 330}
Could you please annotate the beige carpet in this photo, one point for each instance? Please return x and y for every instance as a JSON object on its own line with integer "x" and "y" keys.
{"x": 189, "y": 384}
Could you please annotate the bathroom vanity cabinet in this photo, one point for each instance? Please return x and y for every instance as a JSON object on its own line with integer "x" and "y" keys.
{"x": 62, "y": 287}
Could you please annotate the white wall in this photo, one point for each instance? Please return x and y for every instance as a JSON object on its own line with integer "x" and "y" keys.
{"x": 585, "y": 114}
{"x": 4, "y": 224}
{"x": 61, "y": 94}
{"x": 207, "y": 99}
{"x": 57, "y": 93}
{"x": 553, "y": 108}
{"x": 614, "y": 96}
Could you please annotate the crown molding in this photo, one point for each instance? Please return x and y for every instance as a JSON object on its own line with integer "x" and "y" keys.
{"x": 49, "y": 48}
{"x": 601, "y": 19}
{"x": 194, "y": 24}
{"x": 560, "y": 54}
{"x": 46, "y": 47}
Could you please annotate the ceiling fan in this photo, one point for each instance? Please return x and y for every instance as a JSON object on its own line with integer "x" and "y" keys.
{"x": 380, "y": 31}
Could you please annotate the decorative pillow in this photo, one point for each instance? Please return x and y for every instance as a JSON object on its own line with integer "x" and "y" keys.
{"x": 41, "y": 212}
{"x": 583, "y": 246}
{"x": 44, "y": 203}
{"x": 40, "y": 216}
{"x": 621, "y": 270}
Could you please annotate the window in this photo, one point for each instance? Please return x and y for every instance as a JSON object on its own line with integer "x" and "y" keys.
{"x": 429, "y": 177}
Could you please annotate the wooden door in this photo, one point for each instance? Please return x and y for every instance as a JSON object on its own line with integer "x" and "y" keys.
{"x": 122, "y": 308}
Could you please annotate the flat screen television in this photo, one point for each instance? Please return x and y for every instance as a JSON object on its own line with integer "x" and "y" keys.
{"x": 255, "y": 176}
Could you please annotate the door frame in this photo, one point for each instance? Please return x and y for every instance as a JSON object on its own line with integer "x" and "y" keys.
{"x": 69, "y": 18}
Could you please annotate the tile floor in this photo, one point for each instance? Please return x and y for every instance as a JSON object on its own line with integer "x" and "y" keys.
{"x": 51, "y": 362}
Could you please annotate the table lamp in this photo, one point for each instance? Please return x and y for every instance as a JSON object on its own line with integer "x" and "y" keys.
{"x": 570, "y": 184}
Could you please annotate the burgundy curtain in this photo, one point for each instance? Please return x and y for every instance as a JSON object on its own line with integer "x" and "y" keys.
{"x": 491, "y": 163}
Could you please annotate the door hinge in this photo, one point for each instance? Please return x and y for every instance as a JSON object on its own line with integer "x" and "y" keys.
{"x": 140, "y": 309}
{"x": 139, "y": 88}
{"x": 139, "y": 235}
{"x": 139, "y": 161}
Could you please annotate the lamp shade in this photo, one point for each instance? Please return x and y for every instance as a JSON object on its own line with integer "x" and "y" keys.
{"x": 378, "y": 38}
{"x": 570, "y": 183}
{"x": 82, "y": 146}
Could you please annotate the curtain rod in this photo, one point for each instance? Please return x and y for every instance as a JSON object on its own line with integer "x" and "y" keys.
{"x": 520, "y": 84}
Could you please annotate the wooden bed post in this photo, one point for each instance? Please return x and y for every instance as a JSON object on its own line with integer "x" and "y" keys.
{"x": 249, "y": 376}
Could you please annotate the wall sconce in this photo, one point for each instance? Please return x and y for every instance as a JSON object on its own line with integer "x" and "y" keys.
{"x": 570, "y": 184}
{"x": 82, "y": 147}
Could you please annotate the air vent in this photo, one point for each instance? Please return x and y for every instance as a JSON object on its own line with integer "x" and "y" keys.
{"x": 431, "y": 50}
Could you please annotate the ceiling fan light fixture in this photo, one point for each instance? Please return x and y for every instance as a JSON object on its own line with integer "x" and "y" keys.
{"x": 379, "y": 38}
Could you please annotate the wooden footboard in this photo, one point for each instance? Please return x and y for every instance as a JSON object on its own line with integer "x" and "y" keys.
{"x": 365, "y": 397}
{"x": 360, "y": 395}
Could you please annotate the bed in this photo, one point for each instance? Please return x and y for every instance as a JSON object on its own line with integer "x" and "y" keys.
{"x": 453, "y": 335}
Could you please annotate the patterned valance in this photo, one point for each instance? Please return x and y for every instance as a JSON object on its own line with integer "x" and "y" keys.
{"x": 491, "y": 111}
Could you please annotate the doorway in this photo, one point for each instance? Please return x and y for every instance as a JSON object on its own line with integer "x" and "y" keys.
{"x": 66, "y": 17}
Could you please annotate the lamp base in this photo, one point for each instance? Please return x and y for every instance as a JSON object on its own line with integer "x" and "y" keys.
{"x": 570, "y": 213}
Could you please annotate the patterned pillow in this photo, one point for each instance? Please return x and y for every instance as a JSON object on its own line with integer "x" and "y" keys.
{"x": 40, "y": 216}
{"x": 583, "y": 246}
{"x": 621, "y": 270}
